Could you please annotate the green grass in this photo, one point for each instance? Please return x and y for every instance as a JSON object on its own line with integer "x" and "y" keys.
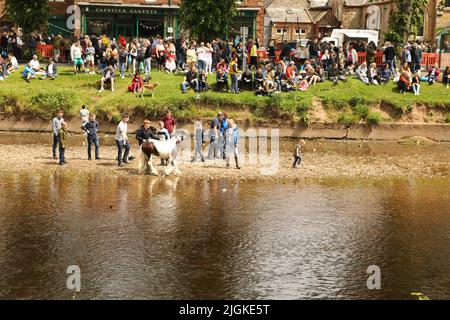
{"x": 352, "y": 101}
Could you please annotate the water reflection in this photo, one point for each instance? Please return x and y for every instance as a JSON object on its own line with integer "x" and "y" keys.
{"x": 147, "y": 238}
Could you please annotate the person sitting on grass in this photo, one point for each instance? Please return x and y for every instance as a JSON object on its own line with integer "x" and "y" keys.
{"x": 51, "y": 71}
{"x": 108, "y": 75}
{"x": 36, "y": 66}
{"x": 433, "y": 74}
{"x": 222, "y": 80}
{"x": 416, "y": 84}
{"x": 361, "y": 73}
{"x": 373, "y": 74}
{"x": 334, "y": 73}
{"x": 446, "y": 77}
{"x": 385, "y": 74}
{"x": 136, "y": 83}
{"x": 170, "y": 65}
{"x": 62, "y": 138}
{"x": 203, "y": 81}
{"x": 190, "y": 80}
{"x": 247, "y": 80}
{"x": 28, "y": 73}
{"x": 403, "y": 83}
{"x": 2, "y": 73}
{"x": 259, "y": 78}
{"x": 13, "y": 65}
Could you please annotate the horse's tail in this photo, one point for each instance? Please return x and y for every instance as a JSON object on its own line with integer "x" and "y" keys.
{"x": 143, "y": 161}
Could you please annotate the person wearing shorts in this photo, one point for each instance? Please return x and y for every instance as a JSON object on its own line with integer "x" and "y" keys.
{"x": 76, "y": 52}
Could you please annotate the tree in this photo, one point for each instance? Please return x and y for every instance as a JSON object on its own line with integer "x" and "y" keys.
{"x": 207, "y": 19}
{"x": 406, "y": 20}
{"x": 30, "y": 15}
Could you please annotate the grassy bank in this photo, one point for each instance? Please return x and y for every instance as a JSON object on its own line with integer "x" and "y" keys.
{"x": 346, "y": 103}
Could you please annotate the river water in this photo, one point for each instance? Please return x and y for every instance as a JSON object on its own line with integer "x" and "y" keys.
{"x": 146, "y": 238}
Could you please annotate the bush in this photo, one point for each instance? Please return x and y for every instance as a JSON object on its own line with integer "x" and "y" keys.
{"x": 373, "y": 118}
{"x": 361, "y": 110}
{"x": 447, "y": 119}
{"x": 355, "y": 101}
{"x": 347, "y": 118}
{"x": 46, "y": 104}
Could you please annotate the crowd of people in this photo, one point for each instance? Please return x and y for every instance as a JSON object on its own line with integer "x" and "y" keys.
{"x": 223, "y": 137}
{"x": 235, "y": 65}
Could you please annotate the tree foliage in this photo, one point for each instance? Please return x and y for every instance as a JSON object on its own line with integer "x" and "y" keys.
{"x": 406, "y": 20}
{"x": 207, "y": 19}
{"x": 30, "y": 15}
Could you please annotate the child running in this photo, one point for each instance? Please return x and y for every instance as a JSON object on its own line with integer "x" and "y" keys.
{"x": 299, "y": 149}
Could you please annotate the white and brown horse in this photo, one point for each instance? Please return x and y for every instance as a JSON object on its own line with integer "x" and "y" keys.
{"x": 167, "y": 150}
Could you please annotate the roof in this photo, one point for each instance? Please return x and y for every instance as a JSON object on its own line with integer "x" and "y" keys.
{"x": 289, "y": 15}
{"x": 292, "y": 11}
{"x": 355, "y": 3}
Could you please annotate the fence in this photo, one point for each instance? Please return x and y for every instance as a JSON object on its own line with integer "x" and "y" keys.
{"x": 46, "y": 51}
{"x": 428, "y": 59}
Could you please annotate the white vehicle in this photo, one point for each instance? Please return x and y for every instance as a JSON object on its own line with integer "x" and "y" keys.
{"x": 339, "y": 36}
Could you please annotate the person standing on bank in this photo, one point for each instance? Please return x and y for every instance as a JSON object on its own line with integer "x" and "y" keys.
{"x": 232, "y": 144}
{"x": 62, "y": 137}
{"x": 56, "y": 125}
{"x": 84, "y": 115}
{"x": 122, "y": 140}
{"x": 146, "y": 132}
{"x": 91, "y": 129}
{"x": 298, "y": 154}
{"x": 169, "y": 122}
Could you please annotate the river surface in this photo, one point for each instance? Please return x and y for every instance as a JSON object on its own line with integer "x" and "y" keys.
{"x": 146, "y": 238}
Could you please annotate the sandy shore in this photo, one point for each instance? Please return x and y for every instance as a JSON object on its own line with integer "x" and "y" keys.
{"x": 318, "y": 163}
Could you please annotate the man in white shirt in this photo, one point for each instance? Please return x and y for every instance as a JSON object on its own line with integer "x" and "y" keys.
{"x": 84, "y": 115}
{"x": 202, "y": 57}
{"x": 76, "y": 53}
{"x": 122, "y": 140}
{"x": 36, "y": 66}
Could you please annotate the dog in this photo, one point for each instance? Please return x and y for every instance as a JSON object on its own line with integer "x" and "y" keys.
{"x": 148, "y": 86}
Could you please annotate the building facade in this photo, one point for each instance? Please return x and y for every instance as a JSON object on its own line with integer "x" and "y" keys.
{"x": 140, "y": 18}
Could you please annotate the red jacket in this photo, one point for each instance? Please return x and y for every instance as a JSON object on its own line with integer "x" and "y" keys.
{"x": 169, "y": 124}
{"x": 437, "y": 72}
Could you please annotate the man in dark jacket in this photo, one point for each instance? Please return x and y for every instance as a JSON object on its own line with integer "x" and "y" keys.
{"x": 313, "y": 48}
{"x": 286, "y": 51}
{"x": 146, "y": 132}
{"x": 389, "y": 57}
{"x": 91, "y": 129}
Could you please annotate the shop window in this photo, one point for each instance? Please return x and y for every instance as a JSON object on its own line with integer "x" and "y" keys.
{"x": 281, "y": 31}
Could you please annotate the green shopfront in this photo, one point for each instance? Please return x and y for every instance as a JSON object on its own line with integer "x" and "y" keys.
{"x": 132, "y": 21}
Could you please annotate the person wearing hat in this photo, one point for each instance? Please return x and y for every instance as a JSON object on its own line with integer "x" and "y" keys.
{"x": 214, "y": 131}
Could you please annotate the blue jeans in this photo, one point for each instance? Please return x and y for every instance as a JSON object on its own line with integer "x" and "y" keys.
{"x": 120, "y": 146}
{"x": 122, "y": 68}
{"x": 93, "y": 140}
{"x": 55, "y": 144}
{"x": 201, "y": 65}
{"x": 148, "y": 65}
{"x": 234, "y": 83}
{"x": 193, "y": 84}
{"x": 62, "y": 158}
